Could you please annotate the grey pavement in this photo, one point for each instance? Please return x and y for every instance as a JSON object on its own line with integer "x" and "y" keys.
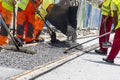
{"x": 87, "y": 67}
{"x": 6, "y": 72}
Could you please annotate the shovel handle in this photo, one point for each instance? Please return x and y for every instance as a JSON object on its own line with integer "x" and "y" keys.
{"x": 38, "y": 12}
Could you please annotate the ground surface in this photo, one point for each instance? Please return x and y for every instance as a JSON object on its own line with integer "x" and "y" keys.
{"x": 13, "y": 63}
{"x": 89, "y": 66}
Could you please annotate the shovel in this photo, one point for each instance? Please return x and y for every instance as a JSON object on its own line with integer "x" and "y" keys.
{"x": 16, "y": 43}
{"x": 50, "y": 31}
{"x": 12, "y": 38}
{"x": 19, "y": 42}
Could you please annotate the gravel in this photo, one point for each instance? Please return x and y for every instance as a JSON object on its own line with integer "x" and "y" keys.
{"x": 46, "y": 52}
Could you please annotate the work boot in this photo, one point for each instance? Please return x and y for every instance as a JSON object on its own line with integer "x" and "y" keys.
{"x": 29, "y": 40}
{"x": 55, "y": 41}
{"x": 39, "y": 39}
{"x": 101, "y": 52}
{"x": 19, "y": 41}
{"x": 107, "y": 60}
{"x": 1, "y": 48}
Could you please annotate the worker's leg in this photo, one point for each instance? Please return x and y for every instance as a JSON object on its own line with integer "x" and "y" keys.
{"x": 7, "y": 16}
{"x": 115, "y": 47}
{"x": 38, "y": 28}
{"x": 30, "y": 14}
{"x": 21, "y": 21}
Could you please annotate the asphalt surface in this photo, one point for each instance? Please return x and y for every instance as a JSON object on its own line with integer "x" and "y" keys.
{"x": 89, "y": 66}
{"x": 6, "y": 72}
{"x": 14, "y": 63}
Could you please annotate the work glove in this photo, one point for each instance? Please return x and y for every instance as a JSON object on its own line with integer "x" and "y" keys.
{"x": 14, "y": 2}
{"x": 37, "y": 2}
{"x": 37, "y": 11}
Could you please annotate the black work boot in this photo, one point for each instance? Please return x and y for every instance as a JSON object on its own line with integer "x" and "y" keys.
{"x": 107, "y": 60}
{"x": 37, "y": 39}
{"x": 19, "y": 41}
{"x": 101, "y": 52}
{"x": 1, "y": 48}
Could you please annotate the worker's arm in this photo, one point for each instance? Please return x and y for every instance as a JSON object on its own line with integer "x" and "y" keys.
{"x": 14, "y": 2}
{"x": 101, "y": 3}
{"x": 109, "y": 14}
{"x": 115, "y": 16}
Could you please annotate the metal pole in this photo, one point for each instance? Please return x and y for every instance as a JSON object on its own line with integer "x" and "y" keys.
{"x": 14, "y": 20}
{"x": 87, "y": 41}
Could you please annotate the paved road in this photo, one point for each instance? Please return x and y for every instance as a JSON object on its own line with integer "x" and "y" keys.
{"x": 6, "y": 72}
{"x": 87, "y": 67}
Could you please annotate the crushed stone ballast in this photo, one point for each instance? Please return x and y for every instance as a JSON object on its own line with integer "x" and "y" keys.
{"x": 41, "y": 70}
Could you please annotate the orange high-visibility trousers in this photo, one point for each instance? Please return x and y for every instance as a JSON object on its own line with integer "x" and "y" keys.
{"x": 39, "y": 23}
{"x": 7, "y": 16}
{"x": 24, "y": 17}
{"x": 25, "y": 22}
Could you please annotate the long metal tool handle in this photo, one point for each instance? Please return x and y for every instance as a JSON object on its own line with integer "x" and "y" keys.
{"x": 87, "y": 41}
{"x": 105, "y": 31}
{"x": 38, "y": 12}
{"x": 14, "y": 20}
{"x": 49, "y": 29}
{"x": 7, "y": 29}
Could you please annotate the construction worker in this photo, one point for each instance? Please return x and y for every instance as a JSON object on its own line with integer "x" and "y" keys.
{"x": 39, "y": 22}
{"x": 116, "y": 42}
{"x": 106, "y": 25}
{"x": 26, "y": 18}
{"x": 7, "y": 8}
